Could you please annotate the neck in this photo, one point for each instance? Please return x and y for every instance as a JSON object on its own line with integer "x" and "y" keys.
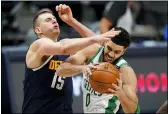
{"x": 53, "y": 38}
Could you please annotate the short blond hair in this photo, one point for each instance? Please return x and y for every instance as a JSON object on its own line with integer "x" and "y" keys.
{"x": 42, "y": 11}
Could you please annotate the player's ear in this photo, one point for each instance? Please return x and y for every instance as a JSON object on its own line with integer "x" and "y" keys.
{"x": 37, "y": 30}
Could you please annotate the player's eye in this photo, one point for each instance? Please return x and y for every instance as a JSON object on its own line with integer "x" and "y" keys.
{"x": 48, "y": 19}
{"x": 117, "y": 52}
{"x": 54, "y": 18}
{"x": 109, "y": 48}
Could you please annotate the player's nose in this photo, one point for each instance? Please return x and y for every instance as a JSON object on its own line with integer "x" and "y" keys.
{"x": 54, "y": 21}
{"x": 111, "y": 54}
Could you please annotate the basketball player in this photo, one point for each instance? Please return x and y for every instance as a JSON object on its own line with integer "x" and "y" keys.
{"x": 112, "y": 51}
{"x": 45, "y": 92}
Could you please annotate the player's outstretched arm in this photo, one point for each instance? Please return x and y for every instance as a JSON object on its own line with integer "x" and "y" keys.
{"x": 45, "y": 46}
{"x": 126, "y": 90}
{"x": 72, "y": 66}
{"x": 66, "y": 15}
{"x": 75, "y": 64}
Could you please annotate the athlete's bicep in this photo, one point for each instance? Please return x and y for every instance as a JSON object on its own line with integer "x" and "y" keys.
{"x": 48, "y": 47}
{"x": 129, "y": 82}
{"x": 77, "y": 59}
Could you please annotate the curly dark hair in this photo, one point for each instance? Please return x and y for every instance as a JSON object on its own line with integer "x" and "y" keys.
{"x": 123, "y": 39}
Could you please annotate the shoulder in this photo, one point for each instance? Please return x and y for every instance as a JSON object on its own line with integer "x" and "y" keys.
{"x": 124, "y": 66}
{"x": 39, "y": 42}
{"x": 127, "y": 68}
{"x": 33, "y": 48}
{"x": 120, "y": 63}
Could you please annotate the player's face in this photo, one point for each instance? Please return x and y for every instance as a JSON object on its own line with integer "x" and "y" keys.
{"x": 48, "y": 24}
{"x": 112, "y": 51}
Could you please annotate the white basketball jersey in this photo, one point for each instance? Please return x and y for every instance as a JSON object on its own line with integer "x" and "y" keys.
{"x": 94, "y": 102}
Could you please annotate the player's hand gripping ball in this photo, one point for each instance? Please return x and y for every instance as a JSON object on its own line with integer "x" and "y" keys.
{"x": 103, "y": 77}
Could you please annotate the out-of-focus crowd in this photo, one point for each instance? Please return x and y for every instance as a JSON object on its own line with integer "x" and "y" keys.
{"x": 144, "y": 20}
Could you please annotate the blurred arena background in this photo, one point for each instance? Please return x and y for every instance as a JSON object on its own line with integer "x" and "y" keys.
{"x": 147, "y": 54}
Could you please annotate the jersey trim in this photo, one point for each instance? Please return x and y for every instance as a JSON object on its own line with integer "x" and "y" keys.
{"x": 35, "y": 69}
{"x": 120, "y": 63}
{"x": 112, "y": 105}
{"x": 91, "y": 60}
{"x": 138, "y": 109}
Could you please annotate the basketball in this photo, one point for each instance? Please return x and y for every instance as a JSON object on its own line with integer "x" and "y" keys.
{"x": 103, "y": 77}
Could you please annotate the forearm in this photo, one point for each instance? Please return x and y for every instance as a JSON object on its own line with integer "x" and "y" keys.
{"x": 71, "y": 46}
{"x": 105, "y": 25}
{"x": 128, "y": 105}
{"x": 103, "y": 28}
{"x": 69, "y": 70}
{"x": 81, "y": 29}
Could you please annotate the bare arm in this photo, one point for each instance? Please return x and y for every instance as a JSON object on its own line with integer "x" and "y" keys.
{"x": 81, "y": 29}
{"x": 66, "y": 47}
{"x": 129, "y": 100}
{"x": 71, "y": 66}
{"x": 112, "y": 12}
{"x": 65, "y": 14}
{"x": 45, "y": 47}
{"x": 75, "y": 64}
{"x": 71, "y": 46}
{"x": 105, "y": 25}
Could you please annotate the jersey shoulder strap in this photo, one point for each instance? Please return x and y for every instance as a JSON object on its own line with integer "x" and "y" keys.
{"x": 97, "y": 56}
{"x": 120, "y": 63}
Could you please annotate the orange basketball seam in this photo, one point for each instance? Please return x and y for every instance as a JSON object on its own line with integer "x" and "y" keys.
{"x": 105, "y": 71}
{"x": 99, "y": 82}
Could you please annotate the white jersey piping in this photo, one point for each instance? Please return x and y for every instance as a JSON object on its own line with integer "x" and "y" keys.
{"x": 35, "y": 69}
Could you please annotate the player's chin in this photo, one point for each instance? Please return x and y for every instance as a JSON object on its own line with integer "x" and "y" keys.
{"x": 56, "y": 31}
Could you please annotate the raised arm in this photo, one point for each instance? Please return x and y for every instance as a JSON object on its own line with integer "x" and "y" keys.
{"x": 66, "y": 15}
{"x": 46, "y": 46}
{"x": 110, "y": 17}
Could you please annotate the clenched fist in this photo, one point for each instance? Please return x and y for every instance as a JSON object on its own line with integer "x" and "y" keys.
{"x": 64, "y": 12}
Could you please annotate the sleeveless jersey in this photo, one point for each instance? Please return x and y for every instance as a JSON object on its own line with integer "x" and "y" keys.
{"x": 44, "y": 91}
{"x": 95, "y": 102}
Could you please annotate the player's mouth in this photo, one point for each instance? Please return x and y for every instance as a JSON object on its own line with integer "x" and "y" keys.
{"x": 108, "y": 58}
{"x": 56, "y": 26}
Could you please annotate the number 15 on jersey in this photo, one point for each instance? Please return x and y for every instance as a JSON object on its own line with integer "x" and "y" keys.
{"x": 58, "y": 82}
